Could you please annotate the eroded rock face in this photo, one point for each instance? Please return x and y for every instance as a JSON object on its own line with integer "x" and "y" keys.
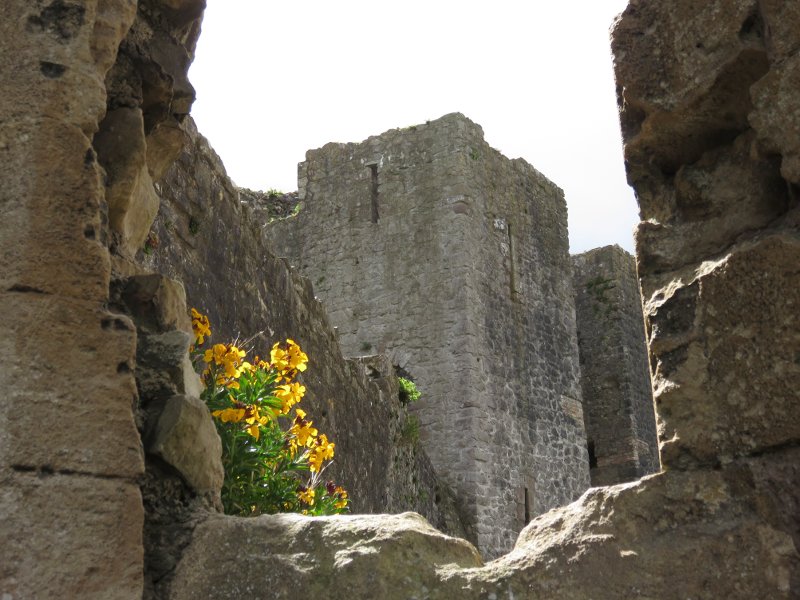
{"x": 70, "y": 454}
{"x": 709, "y": 113}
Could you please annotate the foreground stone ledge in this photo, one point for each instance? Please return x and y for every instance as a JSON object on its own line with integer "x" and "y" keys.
{"x": 672, "y": 535}
{"x": 698, "y": 534}
{"x": 71, "y": 536}
{"x": 292, "y": 556}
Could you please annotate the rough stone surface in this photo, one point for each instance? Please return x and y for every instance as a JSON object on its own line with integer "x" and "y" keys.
{"x": 718, "y": 245}
{"x": 157, "y": 303}
{"x": 184, "y": 436}
{"x": 69, "y": 449}
{"x": 412, "y": 480}
{"x": 453, "y": 260}
{"x": 375, "y": 556}
{"x": 722, "y": 521}
{"x": 777, "y": 114}
{"x": 69, "y": 536}
{"x": 209, "y": 241}
{"x": 702, "y": 330}
{"x": 615, "y": 375}
{"x": 624, "y": 541}
{"x": 130, "y": 195}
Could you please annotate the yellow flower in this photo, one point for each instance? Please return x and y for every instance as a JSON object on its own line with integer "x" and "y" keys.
{"x": 297, "y": 358}
{"x": 288, "y": 361}
{"x": 289, "y": 394}
{"x": 306, "y": 495}
{"x": 229, "y": 415}
{"x": 279, "y": 358}
{"x": 342, "y": 493}
{"x": 246, "y": 367}
{"x": 302, "y": 431}
{"x": 253, "y": 415}
{"x": 321, "y": 450}
{"x": 229, "y": 357}
{"x": 200, "y": 326}
{"x": 215, "y": 353}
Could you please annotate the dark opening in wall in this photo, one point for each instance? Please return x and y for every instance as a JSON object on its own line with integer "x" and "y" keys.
{"x": 374, "y": 191}
{"x": 592, "y": 455}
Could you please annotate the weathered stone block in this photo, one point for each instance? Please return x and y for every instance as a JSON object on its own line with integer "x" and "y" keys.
{"x": 70, "y": 536}
{"x": 719, "y": 393}
{"x": 157, "y": 303}
{"x": 164, "y": 145}
{"x": 703, "y": 525}
{"x": 780, "y": 20}
{"x": 163, "y": 367}
{"x": 61, "y": 53}
{"x": 51, "y": 200}
{"x": 684, "y": 71}
{"x": 725, "y": 194}
{"x": 185, "y": 437}
{"x": 366, "y": 556}
{"x": 707, "y": 525}
{"x": 69, "y": 387}
{"x": 131, "y": 197}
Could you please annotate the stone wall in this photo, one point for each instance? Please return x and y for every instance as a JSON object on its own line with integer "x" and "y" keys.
{"x": 205, "y": 238}
{"x": 615, "y": 375}
{"x": 428, "y": 245}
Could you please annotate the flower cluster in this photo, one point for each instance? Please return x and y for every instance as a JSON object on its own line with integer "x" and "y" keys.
{"x": 265, "y": 461}
{"x": 201, "y": 327}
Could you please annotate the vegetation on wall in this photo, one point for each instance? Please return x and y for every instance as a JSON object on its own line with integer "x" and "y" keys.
{"x": 408, "y": 391}
{"x": 273, "y": 456}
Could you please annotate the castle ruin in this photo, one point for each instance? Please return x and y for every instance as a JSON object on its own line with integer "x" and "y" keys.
{"x": 427, "y": 245}
{"x": 107, "y": 462}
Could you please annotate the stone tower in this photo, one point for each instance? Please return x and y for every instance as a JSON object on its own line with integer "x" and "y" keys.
{"x": 615, "y": 376}
{"x": 428, "y": 245}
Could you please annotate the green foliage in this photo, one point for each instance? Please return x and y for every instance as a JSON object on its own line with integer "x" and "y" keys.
{"x": 366, "y": 346}
{"x": 272, "y": 193}
{"x": 408, "y": 391}
{"x": 194, "y": 225}
{"x": 474, "y": 154}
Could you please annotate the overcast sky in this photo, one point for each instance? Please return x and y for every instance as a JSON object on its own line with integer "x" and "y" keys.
{"x": 275, "y": 79}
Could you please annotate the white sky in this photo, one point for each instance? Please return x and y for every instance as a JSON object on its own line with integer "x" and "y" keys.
{"x": 276, "y": 78}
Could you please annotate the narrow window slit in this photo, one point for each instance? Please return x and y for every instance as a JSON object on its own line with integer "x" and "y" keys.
{"x": 374, "y": 171}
